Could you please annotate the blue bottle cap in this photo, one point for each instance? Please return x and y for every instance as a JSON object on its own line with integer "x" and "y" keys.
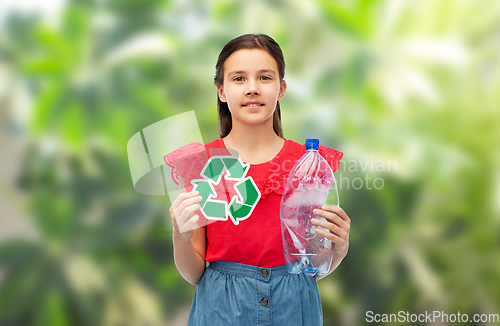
{"x": 312, "y": 143}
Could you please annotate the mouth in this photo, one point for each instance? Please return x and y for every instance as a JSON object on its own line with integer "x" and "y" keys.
{"x": 253, "y": 104}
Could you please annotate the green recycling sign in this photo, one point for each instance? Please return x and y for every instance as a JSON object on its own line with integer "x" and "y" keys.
{"x": 220, "y": 210}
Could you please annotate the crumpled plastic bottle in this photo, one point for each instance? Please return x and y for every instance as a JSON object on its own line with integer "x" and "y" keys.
{"x": 310, "y": 185}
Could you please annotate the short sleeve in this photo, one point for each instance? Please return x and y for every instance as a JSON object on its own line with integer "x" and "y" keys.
{"x": 331, "y": 156}
{"x": 187, "y": 162}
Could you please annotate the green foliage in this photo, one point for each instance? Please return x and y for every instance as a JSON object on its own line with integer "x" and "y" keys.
{"x": 411, "y": 82}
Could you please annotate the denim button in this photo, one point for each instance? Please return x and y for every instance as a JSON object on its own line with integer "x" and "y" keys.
{"x": 264, "y": 301}
{"x": 264, "y": 272}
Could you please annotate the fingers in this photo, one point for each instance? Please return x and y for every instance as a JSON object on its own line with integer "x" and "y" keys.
{"x": 189, "y": 224}
{"x": 337, "y": 210}
{"x": 334, "y": 229}
{"x": 340, "y": 242}
{"x": 188, "y": 204}
{"x": 182, "y": 216}
{"x": 337, "y": 225}
{"x": 337, "y": 216}
{"x": 183, "y": 209}
{"x": 182, "y": 196}
{"x": 335, "y": 234}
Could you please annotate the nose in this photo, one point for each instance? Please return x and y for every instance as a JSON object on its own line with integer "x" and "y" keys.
{"x": 252, "y": 89}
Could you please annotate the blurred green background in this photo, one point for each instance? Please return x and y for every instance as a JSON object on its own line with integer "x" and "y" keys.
{"x": 415, "y": 83}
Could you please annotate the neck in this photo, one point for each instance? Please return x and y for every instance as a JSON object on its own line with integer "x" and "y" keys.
{"x": 250, "y": 137}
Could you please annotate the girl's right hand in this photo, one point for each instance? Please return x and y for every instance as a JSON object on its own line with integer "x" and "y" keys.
{"x": 183, "y": 214}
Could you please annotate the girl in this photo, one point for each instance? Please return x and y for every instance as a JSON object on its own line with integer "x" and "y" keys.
{"x": 246, "y": 281}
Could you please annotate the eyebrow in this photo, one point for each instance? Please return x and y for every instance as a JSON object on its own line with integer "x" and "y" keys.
{"x": 262, "y": 71}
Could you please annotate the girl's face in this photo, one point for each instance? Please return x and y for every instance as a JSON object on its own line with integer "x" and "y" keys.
{"x": 251, "y": 86}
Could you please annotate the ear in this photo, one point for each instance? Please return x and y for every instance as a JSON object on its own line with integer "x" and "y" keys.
{"x": 222, "y": 96}
{"x": 282, "y": 90}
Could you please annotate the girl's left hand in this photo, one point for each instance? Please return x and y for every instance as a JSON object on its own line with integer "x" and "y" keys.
{"x": 338, "y": 224}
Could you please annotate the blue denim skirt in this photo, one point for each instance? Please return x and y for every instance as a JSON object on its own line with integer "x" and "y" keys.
{"x": 237, "y": 294}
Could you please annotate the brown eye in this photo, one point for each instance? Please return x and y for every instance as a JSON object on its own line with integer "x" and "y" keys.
{"x": 238, "y": 79}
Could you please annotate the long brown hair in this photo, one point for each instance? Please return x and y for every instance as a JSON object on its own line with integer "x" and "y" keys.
{"x": 247, "y": 41}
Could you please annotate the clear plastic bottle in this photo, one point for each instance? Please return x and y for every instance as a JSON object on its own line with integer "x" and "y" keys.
{"x": 310, "y": 185}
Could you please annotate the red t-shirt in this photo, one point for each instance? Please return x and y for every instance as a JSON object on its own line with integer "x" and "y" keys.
{"x": 254, "y": 240}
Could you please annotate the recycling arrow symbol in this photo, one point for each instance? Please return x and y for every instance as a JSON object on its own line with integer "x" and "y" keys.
{"x": 220, "y": 210}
